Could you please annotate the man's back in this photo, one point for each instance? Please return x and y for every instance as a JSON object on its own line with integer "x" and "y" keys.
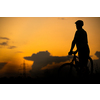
{"x": 81, "y": 39}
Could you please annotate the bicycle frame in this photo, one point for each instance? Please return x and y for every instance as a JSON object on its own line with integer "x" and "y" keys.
{"x": 74, "y": 59}
{"x": 76, "y": 65}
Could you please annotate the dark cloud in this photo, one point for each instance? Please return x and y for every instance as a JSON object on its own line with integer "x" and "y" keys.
{"x": 4, "y": 38}
{"x": 97, "y": 54}
{"x": 43, "y": 58}
{"x": 11, "y": 47}
{"x": 96, "y": 62}
{"x": 4, "y": 43}
{"x": 2, "y": 64}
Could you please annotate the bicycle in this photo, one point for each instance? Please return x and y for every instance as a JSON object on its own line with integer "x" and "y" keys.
{"x": 72, "y": 69}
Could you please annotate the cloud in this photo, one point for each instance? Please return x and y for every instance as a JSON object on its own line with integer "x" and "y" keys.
{"x": 11, "y": 47}
{"x": 4, "y": 38}
{"x": 96, "y": 63}
{"x": 2, "y": 64}
{"x": 97, "y": 54}
{"x": 43, "y": 58}
{"x": 4, "y": 43}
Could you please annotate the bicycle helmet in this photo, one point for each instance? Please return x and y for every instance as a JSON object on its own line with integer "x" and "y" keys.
{"x": 79, "y": 23}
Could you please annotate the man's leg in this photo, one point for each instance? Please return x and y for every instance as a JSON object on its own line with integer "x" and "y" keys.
{"x": 83, "y": 60}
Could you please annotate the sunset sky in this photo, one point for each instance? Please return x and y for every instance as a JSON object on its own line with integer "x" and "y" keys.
{"x": 23, "y": 36}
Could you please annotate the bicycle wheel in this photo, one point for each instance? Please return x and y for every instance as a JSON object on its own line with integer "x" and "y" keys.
{"x": 88, "y": 71}
{"x": 67, "y": 71}
{"x": 90, "y": 66}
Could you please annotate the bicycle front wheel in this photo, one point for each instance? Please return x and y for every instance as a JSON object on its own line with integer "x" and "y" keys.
{"x": 67, "y": 71}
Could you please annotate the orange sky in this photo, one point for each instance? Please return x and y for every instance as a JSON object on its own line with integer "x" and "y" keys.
{"x": 28, "y": 35}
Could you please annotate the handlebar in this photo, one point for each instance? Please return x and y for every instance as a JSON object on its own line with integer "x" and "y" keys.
{"x": 73, "y": 52}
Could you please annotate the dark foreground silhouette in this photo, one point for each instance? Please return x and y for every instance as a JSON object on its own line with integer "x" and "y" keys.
{"x": 50, "y": 80}
{"x": 51, "y": 77}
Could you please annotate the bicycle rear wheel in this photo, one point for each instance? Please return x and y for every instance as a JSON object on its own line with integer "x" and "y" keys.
{"x": 67, "y": 71}
{"x": 90, "y": 66}
{"x": 86, "y": 71}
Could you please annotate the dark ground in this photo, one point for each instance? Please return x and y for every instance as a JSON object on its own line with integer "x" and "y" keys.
{"x": 95, "y": 79}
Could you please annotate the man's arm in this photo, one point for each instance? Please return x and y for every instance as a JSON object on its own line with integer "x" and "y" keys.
{"x": 73, "y": 44}
{"x": 72, "y": 47}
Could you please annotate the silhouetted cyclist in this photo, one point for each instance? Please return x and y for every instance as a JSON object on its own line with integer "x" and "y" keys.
{"x": 80, "y": 39}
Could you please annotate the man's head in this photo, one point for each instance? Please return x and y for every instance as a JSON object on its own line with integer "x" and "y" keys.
{"x": 79, "y": 24}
